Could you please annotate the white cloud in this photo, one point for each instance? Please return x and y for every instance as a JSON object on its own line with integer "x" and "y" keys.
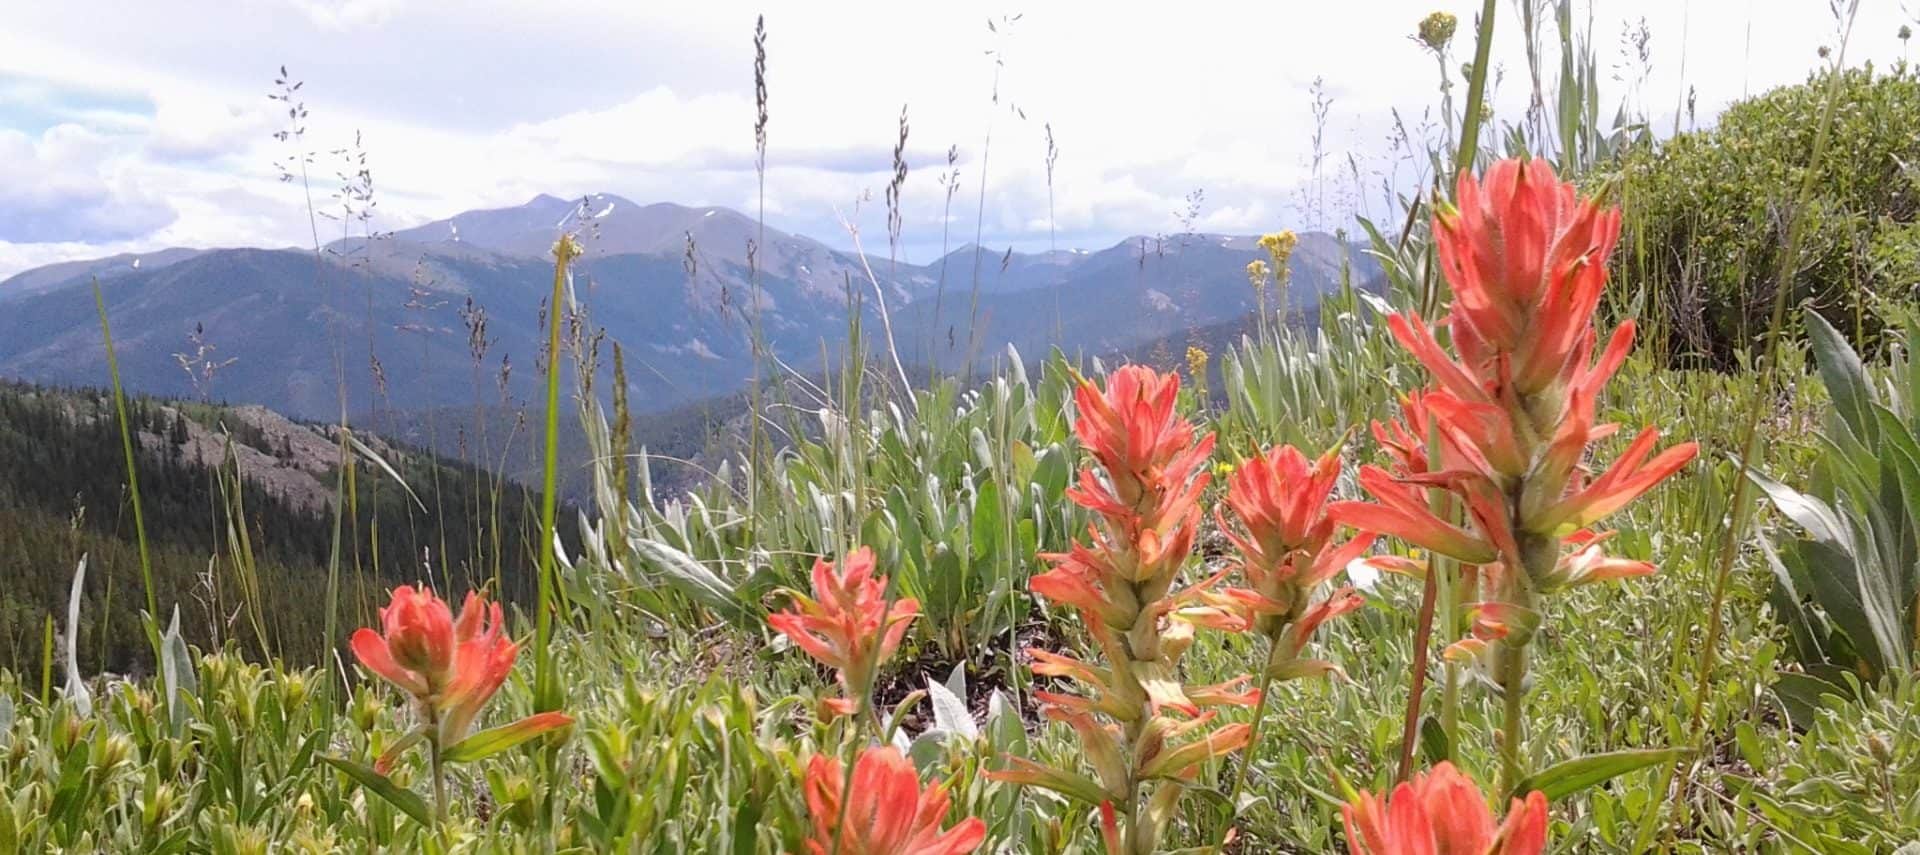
{"x": 471, "y": 104}
{"x": 71, "y": 184}
{"x": 346, "y": 14}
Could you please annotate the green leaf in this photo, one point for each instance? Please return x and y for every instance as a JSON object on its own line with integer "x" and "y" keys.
{"x": 494, "y": 740}
{"x": 1801, "y": 694}
{"x": 1435, "y": 743}
{"x": 1812, "y": 514}
{"x": 384, "y": 787}
{"x": 1836, "y": 587}
{"x": 680, "y": 571}
{"x": 986, "y": 521}
{"x": 746, "y": 827}
{"x": 950, "y": 713}
{"x": 1571, "y": 776}
{"x": 1845, "y": 377}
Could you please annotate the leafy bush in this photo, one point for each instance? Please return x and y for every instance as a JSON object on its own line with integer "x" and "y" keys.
{"x": 1847, "y": 591}
{"x": 1708, "y": 213}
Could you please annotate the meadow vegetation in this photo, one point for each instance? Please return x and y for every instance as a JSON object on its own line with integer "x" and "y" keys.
{"x": 1390, "y": 580}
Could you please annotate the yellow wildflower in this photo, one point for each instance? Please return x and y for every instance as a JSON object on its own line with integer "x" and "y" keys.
{"x": 1279, "y": 247}
{"x": 1436, "y": 30}
{"x": 1257, "y": 274}
{"x": 1196, "y": 364}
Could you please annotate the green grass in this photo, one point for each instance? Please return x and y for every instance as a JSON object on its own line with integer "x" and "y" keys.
{"x": 694, "y": 722}
{"x": 693, "y": 731}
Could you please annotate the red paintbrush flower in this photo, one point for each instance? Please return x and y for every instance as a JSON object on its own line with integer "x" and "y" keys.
{"x": 452, "y": 668}
{"x": 1145, "y": 489}
{"x": 1513, "y": 409}
{"x": 847, "y": 624}
{"x": 1441, "y": 812}
{"x": 886, "y": 813}
{"x": 1511, "y": 418}
{"x": 1288, "y": 550}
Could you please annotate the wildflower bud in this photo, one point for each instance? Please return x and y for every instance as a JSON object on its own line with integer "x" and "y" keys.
{"x": 219, "y": 668}
{"x": 294, "y": 690}
{"x": 419, "y": 631}
{"x": 365, "y": 711}
{"x": 1436, "y": 30}
{"x": 848, "y": 624}
{"x": 1878, "y": 749}
{"x": 1258, "y": 275}
{"x": 67, "y": 732}
{"x": 110, "y": 752}
{"x": 158, "y": 804}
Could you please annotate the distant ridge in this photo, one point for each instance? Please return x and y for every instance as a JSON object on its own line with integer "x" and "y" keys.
{"x": 671, "y": 283}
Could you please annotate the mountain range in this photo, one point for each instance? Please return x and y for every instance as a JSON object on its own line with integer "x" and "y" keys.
{"x": 451, "y": 313}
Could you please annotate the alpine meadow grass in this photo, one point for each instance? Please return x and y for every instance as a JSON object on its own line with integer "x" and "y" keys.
{"x": 1527, "y": 536}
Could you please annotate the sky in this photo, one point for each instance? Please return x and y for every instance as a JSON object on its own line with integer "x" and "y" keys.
{"x": 137, "y": 126}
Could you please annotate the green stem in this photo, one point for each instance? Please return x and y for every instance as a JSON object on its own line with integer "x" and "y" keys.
{"x": 1513, "y": 716}
{"x": 1536, "y": 550}
{"x": 126, "y": 446}
{"x": 1133, "y": 832}
{"x": 1253, "y": 742}
{"x": 546, "y": 686}
{"x": 439, "y": 779}
{"x": 1450, "y": 709}
{"x": 1476, "y": 93}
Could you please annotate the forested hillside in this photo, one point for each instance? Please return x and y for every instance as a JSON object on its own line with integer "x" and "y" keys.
{"x": 242, "y": 559}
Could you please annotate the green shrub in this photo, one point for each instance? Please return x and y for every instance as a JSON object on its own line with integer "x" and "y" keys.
{"x": 1708, "y": 213}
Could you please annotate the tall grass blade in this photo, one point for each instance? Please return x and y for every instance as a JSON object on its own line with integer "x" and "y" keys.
{"x": 126, "y": 445}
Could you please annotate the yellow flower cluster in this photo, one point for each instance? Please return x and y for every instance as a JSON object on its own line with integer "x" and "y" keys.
{"x": 1196, "y": 364}
{"x": 1279, "y": 247}
{"x": 1258, "y": 275}
{"x": 1436, "y": 30}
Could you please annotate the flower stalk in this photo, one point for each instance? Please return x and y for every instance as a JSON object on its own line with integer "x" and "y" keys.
{"x": 1511, "y": 412}
{"x": 1288, "y": 550}
{"x": 1144, "y": 731}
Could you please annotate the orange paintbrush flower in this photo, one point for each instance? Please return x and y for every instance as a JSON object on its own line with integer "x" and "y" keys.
{"x": 1527, "y": 259}
{"x": 1142, "y": 729}
{"x": 1441, "y": 812}
{"x": 1141, "y": 442}
{"x": 847, "y": 624}
{"x": 1514, "y": 403}
{"x": 1288, "y": 550}
{"x": 1510, "y": 421}
{"x": 887, "y": 813}
{"x": 452, "y": 667}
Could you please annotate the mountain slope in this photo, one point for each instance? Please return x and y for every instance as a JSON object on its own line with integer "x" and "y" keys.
{"x": 449, "y": 314}
{"x": 51, "y": 277}
{"x": 63, "y": 494}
